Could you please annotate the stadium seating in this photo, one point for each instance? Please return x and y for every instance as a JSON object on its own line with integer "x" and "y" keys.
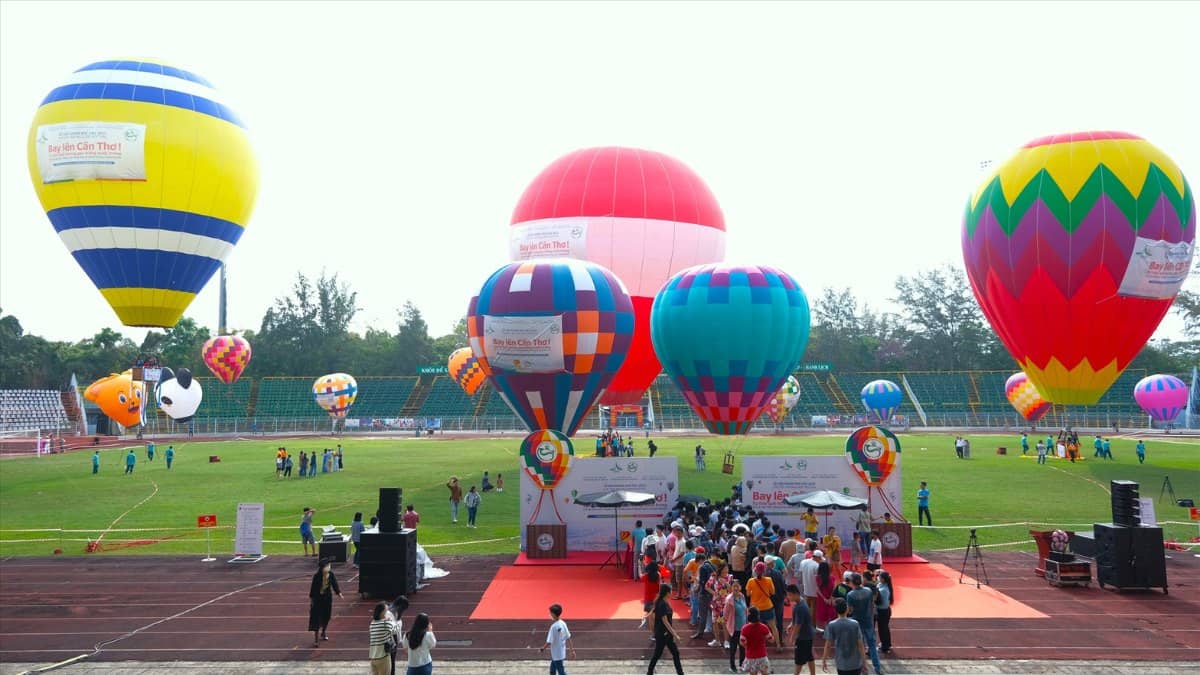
{"x": 447, "y": 399}
{"x": 381, "y": 396}
{"x": 941, "y": 392}
{"x": 27, "y": 409}
{"x": 286, "y": 397}
{"x": 813, "y": 400}
{"x": 224, "y": 401}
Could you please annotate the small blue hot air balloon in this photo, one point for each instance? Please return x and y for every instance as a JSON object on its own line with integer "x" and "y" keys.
{"x": 881, "y": 398}
{"x": 729, "y": 336}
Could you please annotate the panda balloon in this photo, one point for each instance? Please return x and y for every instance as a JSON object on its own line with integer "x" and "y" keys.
{"x": 179, "y": 394}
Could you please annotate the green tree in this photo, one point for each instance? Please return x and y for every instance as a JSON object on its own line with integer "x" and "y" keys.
{"x": 841, "y": 333}
{"x": 1187, "y": 305}
{"x": 305, "y": 333}
{"x": 443, "y": 346}
{"x": 179, "y": 346}
{"x": 946, "y": 329}
{"x": 414, "y": 347}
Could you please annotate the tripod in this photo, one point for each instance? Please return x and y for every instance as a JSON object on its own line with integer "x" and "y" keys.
{"x": 980, "y": 568}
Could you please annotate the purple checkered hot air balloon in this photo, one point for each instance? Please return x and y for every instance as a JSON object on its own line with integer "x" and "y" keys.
{"x": 550, "y": 335}
{"x": 1163, "y": 397}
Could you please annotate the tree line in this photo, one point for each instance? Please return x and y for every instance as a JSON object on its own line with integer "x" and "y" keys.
{"x": 938, "y": 326}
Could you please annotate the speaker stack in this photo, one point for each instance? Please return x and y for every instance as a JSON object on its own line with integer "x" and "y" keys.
{"x": 1129, "y": 554}
{"x": 388, "y": 559}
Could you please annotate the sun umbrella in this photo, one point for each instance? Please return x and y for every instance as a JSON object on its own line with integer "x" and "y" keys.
{"x": 615, "y": 500}
{"x": 828, "y": 500}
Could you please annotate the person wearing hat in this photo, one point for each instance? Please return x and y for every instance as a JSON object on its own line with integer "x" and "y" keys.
{"x": 761, "y": 591}
{"x": 676, "y": 550}
{"x": 320, "y": 595}
{"x": 808, "y": 579}
{"x": 456, "y": 495}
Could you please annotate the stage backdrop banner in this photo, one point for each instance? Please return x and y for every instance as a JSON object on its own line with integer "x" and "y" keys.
{"x": 591, "y": 528}
{"x": 767, "y": 480}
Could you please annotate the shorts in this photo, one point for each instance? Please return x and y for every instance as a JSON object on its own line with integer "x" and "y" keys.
{"x": 306, "y": 536}
{"x": 766, "y": 615}
{"x": 647, "y": 606}
{"x": 804, "y": 652}
{"x": 759, "y": 665}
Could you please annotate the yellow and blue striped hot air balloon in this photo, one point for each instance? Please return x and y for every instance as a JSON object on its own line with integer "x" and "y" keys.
{"x": 148, "y": 178}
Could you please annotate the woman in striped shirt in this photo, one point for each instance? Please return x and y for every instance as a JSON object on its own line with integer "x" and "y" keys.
{"x": 383, "y": 631}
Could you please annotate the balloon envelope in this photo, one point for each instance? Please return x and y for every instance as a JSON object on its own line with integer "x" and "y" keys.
{"x": 226, "y": 356}
{"x": 550, "y": 335}
{"x": 643, "y": 215}
{"x": 1089, "y": 230}
{"x": 178, "y": 394}
{"x": 785, "y": 399}
{"x": 873, "y": 452}
{"x": 149, "y": 179}
{"x": 335, "y": 393}
{"x": 882, "y": 397}
{"x": 729, "y": 336}
{"x": 546, "y": 457}
{"x": 119, "y": 397}
{"x": 1163, "y": 397}
{"x": 1024, "y": 396}
{"x": 465, "y": 370}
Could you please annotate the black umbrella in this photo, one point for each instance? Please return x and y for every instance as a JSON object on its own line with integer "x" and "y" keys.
{"x": 828, "y": 499}
{"x": 615, "y": 500}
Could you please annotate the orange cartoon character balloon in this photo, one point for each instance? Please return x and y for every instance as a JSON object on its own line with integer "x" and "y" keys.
{"x": 119, "y": 397}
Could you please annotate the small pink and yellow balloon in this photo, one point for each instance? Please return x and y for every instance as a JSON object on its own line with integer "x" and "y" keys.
{"x": 226, "y": 356}
{"x": 1024, "y": 397}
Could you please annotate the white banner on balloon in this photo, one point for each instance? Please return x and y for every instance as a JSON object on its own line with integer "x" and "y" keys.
{"x": 524, "y": 344}
{"x": 557, "y": 238}
{"x": 591, "y": 528}
{"x": 91, "y": 151}
{"x": 767, "y": 480}
{"x": 1156, "y": 269}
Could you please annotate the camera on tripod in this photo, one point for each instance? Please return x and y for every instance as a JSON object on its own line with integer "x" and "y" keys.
{"x": 972, "y": 532}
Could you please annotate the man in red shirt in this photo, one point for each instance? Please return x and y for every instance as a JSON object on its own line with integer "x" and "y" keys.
{"x": 411, "y": 518}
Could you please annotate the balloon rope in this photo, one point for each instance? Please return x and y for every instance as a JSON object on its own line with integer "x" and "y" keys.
{"x": 537, "y": 509}
{"x": 554, "y": 503}
{"x": 893, "y": 510}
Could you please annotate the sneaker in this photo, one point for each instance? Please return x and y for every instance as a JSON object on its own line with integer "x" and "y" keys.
{"x": 726, "y": 645}
{"x": 714, "y": 643}
{"x": 643, "y": 623}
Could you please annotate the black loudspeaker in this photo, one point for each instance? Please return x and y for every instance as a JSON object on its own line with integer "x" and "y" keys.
{"x": 389, "y": 509}
{"x": 1125, "y": 508}
{"x": 387, "y": 564}
{"x": 1130, "y": 557}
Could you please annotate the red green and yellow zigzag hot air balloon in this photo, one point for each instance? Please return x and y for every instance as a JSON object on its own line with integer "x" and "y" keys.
{"x": 1075, "y": 248}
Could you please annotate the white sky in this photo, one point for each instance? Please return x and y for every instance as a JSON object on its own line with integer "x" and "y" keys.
{"x": 394, "y": 138}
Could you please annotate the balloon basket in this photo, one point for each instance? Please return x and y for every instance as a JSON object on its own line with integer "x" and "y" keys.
{"x": 546, "y": 540}
{"x": 727, "y": 464}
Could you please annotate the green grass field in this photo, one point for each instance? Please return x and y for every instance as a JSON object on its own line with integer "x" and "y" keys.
{"x": 55, "y": 502}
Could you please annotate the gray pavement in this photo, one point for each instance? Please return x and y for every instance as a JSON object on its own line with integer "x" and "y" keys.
{"x": 690, "y": 666}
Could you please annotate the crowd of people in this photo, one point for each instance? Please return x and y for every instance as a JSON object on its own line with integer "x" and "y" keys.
{"x": 331, "y": 462}
{"x": 612, "y": 444}
{"x": 739, "y": 574}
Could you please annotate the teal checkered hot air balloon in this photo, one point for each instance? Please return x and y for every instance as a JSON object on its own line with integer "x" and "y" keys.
{"x": 729, "y": 336}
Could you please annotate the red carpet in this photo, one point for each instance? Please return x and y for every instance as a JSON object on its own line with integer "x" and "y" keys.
{"x": 527, "y": 592}
{"x": 593, "y": 558}
{"x": 932, "y": 592}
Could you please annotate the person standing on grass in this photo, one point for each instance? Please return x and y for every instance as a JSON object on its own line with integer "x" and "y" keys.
{"x": 411, "y": 518}
{"x": 303, "y": 464}
{"x": 170, "y": 456}
{"x": 558, "y": 639}
{"x": 1141, "y": 451}
{"x": 287, "y": 466}
{"x": 800, "y": 632}
{"x": 306, "y": 531}
{"x": 1041, "y": 451}
{"x": 1107, "y": 449}
{"x": 150, "y": 451}
{"x": 96, "y": 463}
{"x": 499, "y": 482}
{"x": 665, "y": 636}
{"x": 456, "y": 495}
{"x": 923, "y": 504}
{"x": 312, "y": 464}
{"x": 356, "y": 530}
{"x": 320, "y": 594}
{"x": 472, "y": 500}
{"x": 130, "y": 461}
{"x": 418, "y": 644}
{"x": 844, "y": 635}
{"x": 1024, "y": 443}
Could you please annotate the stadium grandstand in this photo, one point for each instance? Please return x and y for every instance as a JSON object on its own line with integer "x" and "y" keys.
{"x": 827, "y": 399}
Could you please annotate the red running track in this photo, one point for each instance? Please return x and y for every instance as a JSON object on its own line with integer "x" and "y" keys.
{"x": 178, "y": 608}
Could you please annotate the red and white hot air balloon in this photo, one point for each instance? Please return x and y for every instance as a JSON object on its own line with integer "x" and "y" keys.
{"x": 641, "y": 214}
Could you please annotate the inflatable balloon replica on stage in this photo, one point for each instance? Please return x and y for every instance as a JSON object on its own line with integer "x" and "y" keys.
{"x": 1025, "y": 398}
{"x": 1163, "y": 397}
{"x": 226, "y": 357}
{"x": 1075, "y": 249}
{"x": 147, "y": 177}
{"x": 729, "y": 337}
{"x": 641, "y": 214}
{"x": 550, "y": 335}
{"x": 874, "y": 452}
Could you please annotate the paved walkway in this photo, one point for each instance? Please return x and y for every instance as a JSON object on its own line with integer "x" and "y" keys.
{"x": 691, "y": 667}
